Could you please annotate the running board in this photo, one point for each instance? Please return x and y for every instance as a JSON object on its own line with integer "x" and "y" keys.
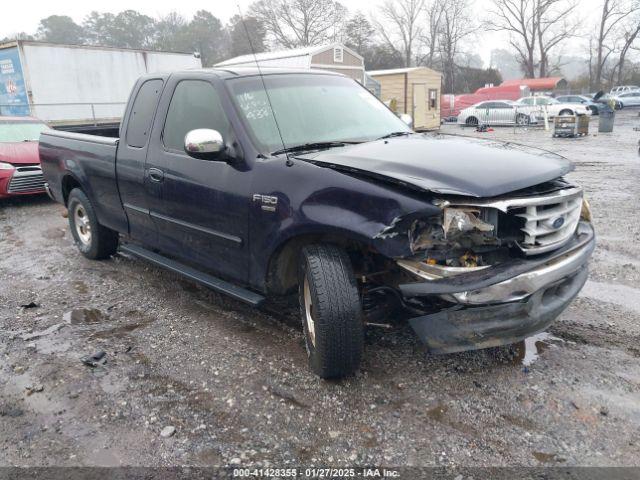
{"x": 207, "y": 280}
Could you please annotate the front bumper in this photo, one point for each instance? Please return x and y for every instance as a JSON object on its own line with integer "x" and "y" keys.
{"x": 505, "y": 303}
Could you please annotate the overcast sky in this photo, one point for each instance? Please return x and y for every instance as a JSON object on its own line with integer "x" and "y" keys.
{"x": 23, "y": 16}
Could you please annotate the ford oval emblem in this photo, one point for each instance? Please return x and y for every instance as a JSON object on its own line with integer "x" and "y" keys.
{"x": 558, "y": 222}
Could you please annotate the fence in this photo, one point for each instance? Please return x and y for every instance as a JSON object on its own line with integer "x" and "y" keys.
{"x": 94, "y": 113}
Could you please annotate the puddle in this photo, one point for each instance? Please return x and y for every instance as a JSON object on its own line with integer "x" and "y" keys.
{"x": 529, "y": 350}
{"x": 83, "y": 316}
{"x": 121, "y": 331}
{"x": 547, "y": 457}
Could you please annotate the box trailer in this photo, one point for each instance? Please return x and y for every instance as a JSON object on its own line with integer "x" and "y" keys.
{"x": 76, "y": 85}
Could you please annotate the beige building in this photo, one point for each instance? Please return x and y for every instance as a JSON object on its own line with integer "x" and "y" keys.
{"x": 334, "y": 57}
{"x": 415, "y": 91}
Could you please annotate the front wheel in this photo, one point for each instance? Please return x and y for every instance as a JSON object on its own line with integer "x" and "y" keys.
{"x": 566, "y": 112}
{"x": 523, "y": 119}
{"x": 471, "y": 122}
{"x": 331, "y": 311}
{"x": 93, "y": 240}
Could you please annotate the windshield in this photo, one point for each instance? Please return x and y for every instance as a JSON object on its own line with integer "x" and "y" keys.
{"x": 20, "y": 131}
{"x": 311, "y": 109}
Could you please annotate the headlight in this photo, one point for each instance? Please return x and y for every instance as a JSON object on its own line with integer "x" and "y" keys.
{"x": 6, "y": 166}
{"x": 585, "y": 211}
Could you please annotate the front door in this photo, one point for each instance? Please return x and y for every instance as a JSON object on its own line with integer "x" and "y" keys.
{"x": 419, "y": 105}
{"x": 202, "y": 215}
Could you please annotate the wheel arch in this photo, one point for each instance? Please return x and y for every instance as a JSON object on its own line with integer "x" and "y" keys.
{"x": 69, "y": 182}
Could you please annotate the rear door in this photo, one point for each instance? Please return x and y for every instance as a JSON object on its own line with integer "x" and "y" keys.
{"x": 130, "y": 163}
{"x": 202, "y": 209}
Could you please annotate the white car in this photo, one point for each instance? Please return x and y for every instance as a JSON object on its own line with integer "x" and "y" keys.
{"x": 623, "y": 89}
{"x": 495, "y": 112}
{"x": 629, "y": 99}
{"x": 553, "y": 107}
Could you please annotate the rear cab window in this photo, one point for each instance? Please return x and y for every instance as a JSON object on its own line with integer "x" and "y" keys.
{"x": 141, "y": 116}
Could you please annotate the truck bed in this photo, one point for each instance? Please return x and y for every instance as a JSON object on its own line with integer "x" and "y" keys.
{"x": 69, "y": 158}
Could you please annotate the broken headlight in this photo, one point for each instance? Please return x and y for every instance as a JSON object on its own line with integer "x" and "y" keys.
{"x": 585, "y": 211}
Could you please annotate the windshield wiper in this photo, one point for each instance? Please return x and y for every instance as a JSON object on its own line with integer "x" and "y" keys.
{"x": 394, "y": 134}
{"x": 310, "y": 146}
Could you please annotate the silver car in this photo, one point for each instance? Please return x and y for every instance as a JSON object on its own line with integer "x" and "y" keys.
{"x": 630, "y": 99}
{"x": 495, "y": 112}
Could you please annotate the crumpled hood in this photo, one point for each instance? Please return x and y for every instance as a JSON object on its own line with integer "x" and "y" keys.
{"x": 448, "y": 164}
{"x": 19, "y": 153}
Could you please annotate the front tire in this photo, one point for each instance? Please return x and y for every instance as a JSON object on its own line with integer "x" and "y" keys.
{"x": 566, "y": 112}
{"x": 92, "y": 239}
{"x": 471, "y": 122}
{"x": 522, "y": 119}
{"x": 331, "y": 311}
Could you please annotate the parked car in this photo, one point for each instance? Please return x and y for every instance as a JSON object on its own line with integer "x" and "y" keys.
{"x": 602, "y": 98}
{"x": 630, "y": 99}
{"x": 580, "y": 99}
{"x": 318, "y": 188}
{"x": 553, "y": 107}
{"x": 615, "y": 91}
{"x": 20, "y": 172}
{"x": 495, "y": 112}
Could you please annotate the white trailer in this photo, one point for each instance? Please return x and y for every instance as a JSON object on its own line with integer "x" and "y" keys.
{"x": 68, "y": 85}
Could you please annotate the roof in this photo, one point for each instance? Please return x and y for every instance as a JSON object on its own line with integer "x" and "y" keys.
{"x": 548, "y": 83}
{"x": 282, "y": 54}
{"x": 243, "y": 71}
{"x": 394, "y": 71}
{"x": 9, "y": 119}
{"x": 14, "y": 43}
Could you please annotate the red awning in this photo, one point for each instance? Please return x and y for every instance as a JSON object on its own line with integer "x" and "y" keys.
{"x": 535, "y": 84}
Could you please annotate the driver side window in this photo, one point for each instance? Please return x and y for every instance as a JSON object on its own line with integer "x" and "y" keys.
{"x": 195, "y": 104}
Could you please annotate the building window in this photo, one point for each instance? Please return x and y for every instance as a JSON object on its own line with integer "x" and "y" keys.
{"x": 433, "y": 99}
{"x": 338, "y": 55}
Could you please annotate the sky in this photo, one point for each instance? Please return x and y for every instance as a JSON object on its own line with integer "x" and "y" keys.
{"x": 23, "y": 16}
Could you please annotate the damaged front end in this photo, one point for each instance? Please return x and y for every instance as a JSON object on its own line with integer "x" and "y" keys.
{"x": 491, "y": 272}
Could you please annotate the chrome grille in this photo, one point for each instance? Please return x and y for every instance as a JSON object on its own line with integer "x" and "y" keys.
{"x": 549, "y": 222}
{"x": 26, "y": 179}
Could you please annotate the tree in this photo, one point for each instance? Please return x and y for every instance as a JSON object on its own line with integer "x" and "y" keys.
{"x": 612, "y": 14}
{"x": 131, "y": 29}
{"x": 456, "y": 24}
{"x": 98, "y": 28}
{"x": 206, "y": 35}
{"x": 381, "y": 56}
{"x": 60, "y": 29}
{"x": 246, "y": 35}
{"x": 171, "y": 33}
{"x": 518, "y": 19}
{"x": 555, "y": 20}
{"x": 433, "y": 12}
{"x": 506, "y": 63}
{"x": 400, "y": 27}
{"x": 359, "y": 33}
{"x": 630, "y": 34}
{"x": 300, "y": 23}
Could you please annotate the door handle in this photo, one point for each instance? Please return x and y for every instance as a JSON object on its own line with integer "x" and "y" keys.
{"x": 156, "y": 175}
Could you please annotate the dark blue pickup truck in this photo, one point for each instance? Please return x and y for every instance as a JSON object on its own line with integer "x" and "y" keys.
{"x": 265, "y": 183}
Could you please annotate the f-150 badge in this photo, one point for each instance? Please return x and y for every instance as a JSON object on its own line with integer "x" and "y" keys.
{"x": 268, "y": 203}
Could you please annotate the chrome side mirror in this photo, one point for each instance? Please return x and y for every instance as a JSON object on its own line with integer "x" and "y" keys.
{"x": 203, "y": 142}
{"x": 406, "y": 118}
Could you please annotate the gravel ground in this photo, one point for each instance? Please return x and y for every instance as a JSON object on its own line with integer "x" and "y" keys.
{"x": 232, "y": 381}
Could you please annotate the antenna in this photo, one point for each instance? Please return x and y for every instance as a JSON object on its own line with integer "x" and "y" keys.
{"x": 264, "y": 85}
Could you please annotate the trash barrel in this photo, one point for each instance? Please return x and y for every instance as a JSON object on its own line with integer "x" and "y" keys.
{"x": 605, "y": 118}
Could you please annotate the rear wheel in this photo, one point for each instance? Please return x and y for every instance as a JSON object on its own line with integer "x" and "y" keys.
{"x": 93, "y": 240}
{"x": 331, "y": 311}
{"x": 471, "y": 122}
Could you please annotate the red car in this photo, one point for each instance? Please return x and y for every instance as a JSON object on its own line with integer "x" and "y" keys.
{"x": 20, "y": 172}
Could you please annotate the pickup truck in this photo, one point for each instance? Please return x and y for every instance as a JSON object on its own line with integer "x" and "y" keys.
{"x": 263, "y": 183}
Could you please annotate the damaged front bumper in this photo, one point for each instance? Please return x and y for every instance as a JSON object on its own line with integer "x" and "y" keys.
{"x": 504, "y": 303}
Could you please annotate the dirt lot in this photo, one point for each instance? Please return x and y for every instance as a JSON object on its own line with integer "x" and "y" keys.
{"x": 233, "y": 381}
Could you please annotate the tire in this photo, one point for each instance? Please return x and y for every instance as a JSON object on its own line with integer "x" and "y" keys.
{"x": 331, "y": 311}
{"x": 94, "y": 241}
{"x": 522, "y": 119}
{"x": 566, "y": 111}
{"x": 471, "y": 122}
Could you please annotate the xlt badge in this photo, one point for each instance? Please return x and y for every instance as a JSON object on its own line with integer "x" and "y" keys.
{"x": 268, "y": 203}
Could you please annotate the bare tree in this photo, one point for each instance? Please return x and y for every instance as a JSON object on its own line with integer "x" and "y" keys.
{"x": 456, "y": 25}
{"x": 613, "y": 13}
{"x": 556, "y": 22}
{"x": 399, "y": 24}
{"x": 300, "y": 23}
{"x": 630, "y": 34}
{"x": 518, "y": 18}
{"x": 433, "y": 12}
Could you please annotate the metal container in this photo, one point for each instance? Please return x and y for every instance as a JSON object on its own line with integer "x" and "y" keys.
{"x": 606, "y": 118}
{"x": 571, "y": 126}
{"x": 69, "y": 85}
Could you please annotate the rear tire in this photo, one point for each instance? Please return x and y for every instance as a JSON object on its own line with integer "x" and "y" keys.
{"x": 471, "y": 122}
{"x": 331, "y": 311}
{"x": 92, "y": 239}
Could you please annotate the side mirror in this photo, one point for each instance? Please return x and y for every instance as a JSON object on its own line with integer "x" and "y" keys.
{"x": 406, "y": 118}
{"x": 204, "y": 143}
